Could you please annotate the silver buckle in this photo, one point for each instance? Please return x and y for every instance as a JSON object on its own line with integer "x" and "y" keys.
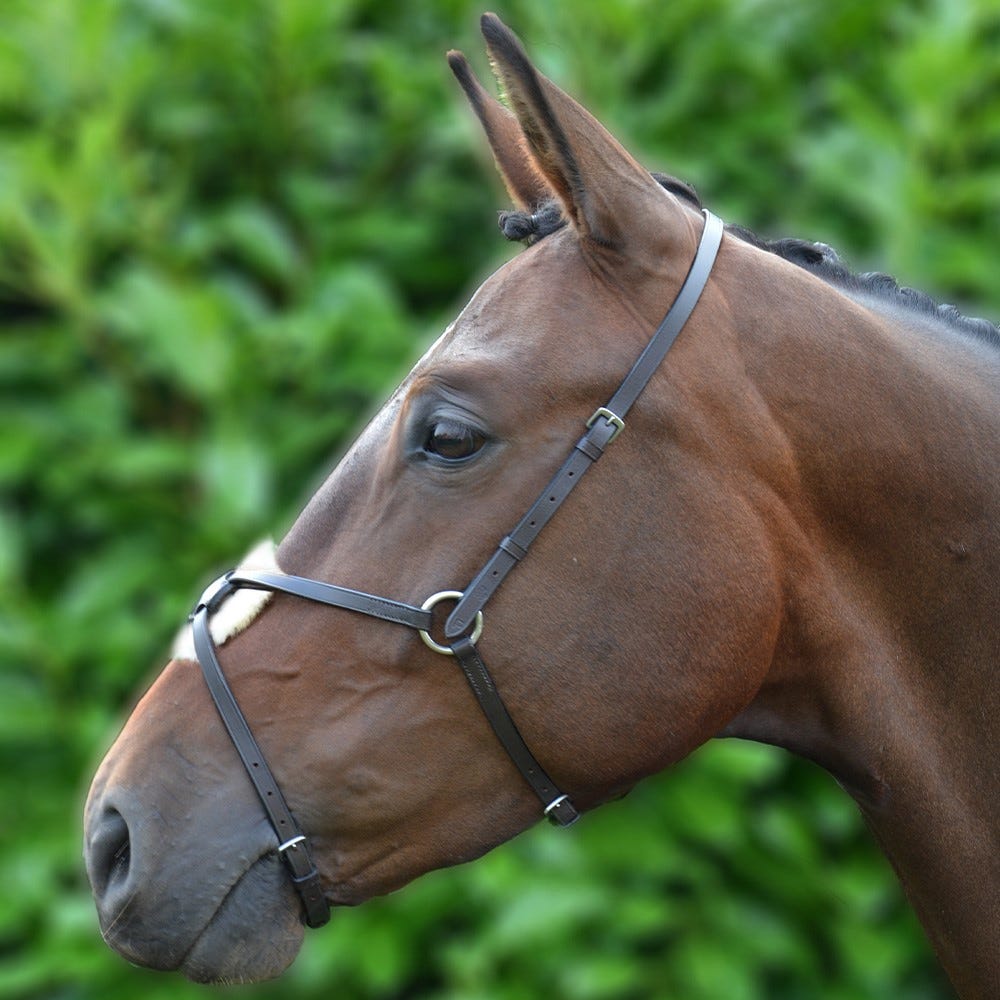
{"x": 289, "y": 844}
{"x": 611, "y": 417}
{"x": 554, "y": 804}
{"x": 553, "y": 811}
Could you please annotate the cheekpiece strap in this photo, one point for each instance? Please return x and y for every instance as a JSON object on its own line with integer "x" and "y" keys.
{"x": 603, "y": 427}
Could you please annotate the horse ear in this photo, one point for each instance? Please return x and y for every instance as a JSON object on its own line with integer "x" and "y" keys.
{"x": 607, "y": 195}
{"x": 525, "y": 184}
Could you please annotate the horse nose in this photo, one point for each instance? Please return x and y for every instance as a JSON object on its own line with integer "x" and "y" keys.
{"x": 108, "y": 854}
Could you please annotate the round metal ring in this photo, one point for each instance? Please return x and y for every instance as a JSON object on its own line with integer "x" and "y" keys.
{"x": 445, "y": 595}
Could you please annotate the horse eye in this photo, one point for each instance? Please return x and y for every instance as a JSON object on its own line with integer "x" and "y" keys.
{"x": 453, "y": 440}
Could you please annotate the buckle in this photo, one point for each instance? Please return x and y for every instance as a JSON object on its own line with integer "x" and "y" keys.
{"x": 561, "y": 812}
{"x": 611, "y": 417}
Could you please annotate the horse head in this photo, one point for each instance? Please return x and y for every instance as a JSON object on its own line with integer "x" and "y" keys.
{"x": 646, "y": 618}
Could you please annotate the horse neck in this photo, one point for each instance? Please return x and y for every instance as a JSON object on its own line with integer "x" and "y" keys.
{"x": 886, "y": 518}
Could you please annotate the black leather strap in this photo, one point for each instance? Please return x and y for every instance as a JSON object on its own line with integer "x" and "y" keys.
{"x": 679, "y": 313}
{"x": 604, "y": 428}
{"x": 292, "y": 842}
{"x": 557, "y": 807}
{"x": 334, "y": 596}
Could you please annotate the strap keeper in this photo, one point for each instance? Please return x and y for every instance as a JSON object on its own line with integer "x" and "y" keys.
{"x": 310, "y": 881}
{"x": 611, "y": 417}
{"x": 313, "y": 900}
{"x": 512, "y": 549}
{"x": 591, "y": 449}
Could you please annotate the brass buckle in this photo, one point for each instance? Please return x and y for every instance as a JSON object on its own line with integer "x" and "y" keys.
{"x": 611, "y": 417}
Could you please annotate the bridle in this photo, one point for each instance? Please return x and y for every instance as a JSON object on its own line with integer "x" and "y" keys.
{"x": 464, "y": 625}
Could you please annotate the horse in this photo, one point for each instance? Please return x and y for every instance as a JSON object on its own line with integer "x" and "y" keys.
{"x": 784, "y": 526}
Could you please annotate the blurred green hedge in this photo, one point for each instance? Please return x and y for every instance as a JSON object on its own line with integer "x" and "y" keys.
{"x": 225, "y": 228}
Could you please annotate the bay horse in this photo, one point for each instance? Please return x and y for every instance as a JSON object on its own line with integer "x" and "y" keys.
{"x": 792, "y": 536}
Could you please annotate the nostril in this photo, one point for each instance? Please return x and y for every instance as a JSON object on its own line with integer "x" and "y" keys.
{"x": 110, "y": 853}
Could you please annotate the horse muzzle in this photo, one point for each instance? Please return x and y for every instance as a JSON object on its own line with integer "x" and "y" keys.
{"x": 184, "y": 867}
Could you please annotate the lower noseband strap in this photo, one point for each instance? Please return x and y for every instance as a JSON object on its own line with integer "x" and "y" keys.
{"x": 557, "y": 807}
{"x": 293, "y": 847}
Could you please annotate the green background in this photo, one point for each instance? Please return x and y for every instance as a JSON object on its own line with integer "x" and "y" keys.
{"x": 226, "y": 228}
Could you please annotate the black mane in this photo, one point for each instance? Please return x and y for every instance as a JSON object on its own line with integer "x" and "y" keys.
{"x": 817, "y": 258}
{"x": 823, "y": 261}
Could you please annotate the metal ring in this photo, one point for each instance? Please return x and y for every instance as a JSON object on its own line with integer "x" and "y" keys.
{"x": 445, "y": 595}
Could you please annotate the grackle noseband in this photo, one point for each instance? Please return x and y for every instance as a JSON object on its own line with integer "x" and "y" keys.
{"x": 464, "y": 625}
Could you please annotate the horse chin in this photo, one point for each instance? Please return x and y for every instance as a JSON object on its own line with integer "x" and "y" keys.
{"x": 255, "y": 933}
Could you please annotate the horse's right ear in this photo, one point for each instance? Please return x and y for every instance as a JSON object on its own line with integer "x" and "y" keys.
{"x": 525, "y": 184}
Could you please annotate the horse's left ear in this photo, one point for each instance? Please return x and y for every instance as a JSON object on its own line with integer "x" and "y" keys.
{"x": 525, "y": 184}
{"x": 607, "y": 195}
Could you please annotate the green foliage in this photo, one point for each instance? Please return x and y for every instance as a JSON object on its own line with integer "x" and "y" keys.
{"x": 224, "y": 229}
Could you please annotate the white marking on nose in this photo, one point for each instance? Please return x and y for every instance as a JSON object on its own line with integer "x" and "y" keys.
{"x": 238, "y": 610}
